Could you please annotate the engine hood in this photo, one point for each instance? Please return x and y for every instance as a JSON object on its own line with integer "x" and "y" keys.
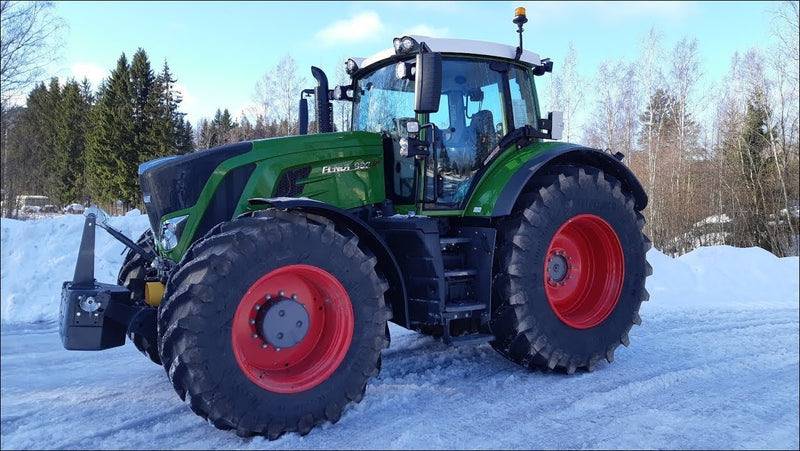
{"x": 214, "y": 185}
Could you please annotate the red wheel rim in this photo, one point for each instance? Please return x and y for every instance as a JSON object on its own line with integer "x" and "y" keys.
{"x": 584, "y": 271}
{"x": 316, "y": 297}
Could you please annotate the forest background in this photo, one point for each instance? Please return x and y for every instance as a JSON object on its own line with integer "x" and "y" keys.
{"x": 720, "y": 165}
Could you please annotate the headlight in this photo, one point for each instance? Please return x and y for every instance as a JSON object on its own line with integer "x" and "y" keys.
{"x": 171, "y": 230}
{"x": 403, "y": 147}
{"x": 405, "y": 71}
{"x": 406, "y": 44}
{"x": 351, "y": 66}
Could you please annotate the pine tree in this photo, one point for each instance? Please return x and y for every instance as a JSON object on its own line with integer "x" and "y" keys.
{"x": 146, "y": 97}
{"x": 205, "y": 134}
{"x": 219, "y": 131}
{"x": 175, "y": 134}
{"x": 70, "y": 122}
{"x": 37, "y": 125}
{"x": 162, "y": 123}
{"x": 184, "y": 136}
{"x": 111, "y": 156}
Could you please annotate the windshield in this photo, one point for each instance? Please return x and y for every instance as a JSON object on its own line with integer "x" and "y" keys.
{"x": 380, "y": 99}
{"x": 480, "y": 102}
{"x": 383, "y": 100}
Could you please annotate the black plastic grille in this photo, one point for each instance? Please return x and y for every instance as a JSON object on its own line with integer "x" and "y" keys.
{"x": 287, "y": 183}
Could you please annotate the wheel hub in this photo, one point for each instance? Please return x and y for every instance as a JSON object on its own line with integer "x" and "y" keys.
{"x": 556, "y": 267}
{"x": 284, "y": 323}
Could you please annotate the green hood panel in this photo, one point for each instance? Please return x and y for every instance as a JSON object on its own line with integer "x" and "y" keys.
{"x": 342, "y": 169}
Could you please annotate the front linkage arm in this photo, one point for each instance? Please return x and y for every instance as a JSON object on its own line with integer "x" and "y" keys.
{"x": 94, "y": 315}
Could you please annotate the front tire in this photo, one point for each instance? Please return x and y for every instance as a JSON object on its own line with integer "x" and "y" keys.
{"x": 132, "y": 275}
{"x": 571, "y": 269}
{"x": 273, "y": 323}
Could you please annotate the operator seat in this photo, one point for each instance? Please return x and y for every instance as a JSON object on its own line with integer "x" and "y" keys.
{"x": 482, "y": 126}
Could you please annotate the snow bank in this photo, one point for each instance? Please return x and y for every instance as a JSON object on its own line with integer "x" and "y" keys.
{"x": 39, "y": 255}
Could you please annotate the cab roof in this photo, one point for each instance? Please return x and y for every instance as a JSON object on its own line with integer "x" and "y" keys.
{"x": 458, "y": 46}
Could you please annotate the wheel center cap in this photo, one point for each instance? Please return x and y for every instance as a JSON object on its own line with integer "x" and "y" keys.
{"x": 285, "y": 323}
{"x": 557, "y": 268}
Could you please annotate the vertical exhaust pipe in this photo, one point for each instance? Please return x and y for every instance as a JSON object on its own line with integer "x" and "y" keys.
{"x": 324, "y": 109}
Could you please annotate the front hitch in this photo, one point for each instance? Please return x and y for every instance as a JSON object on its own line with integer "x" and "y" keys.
{"x": 94, "y": 315}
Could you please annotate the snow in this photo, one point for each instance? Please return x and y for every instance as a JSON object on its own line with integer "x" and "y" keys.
{"x": 714, "y": 365}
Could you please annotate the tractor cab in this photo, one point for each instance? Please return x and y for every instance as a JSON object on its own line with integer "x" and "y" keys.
{"x": 466, "y": 98}
{"x": 461, "y": 99}
{"x": 463, "y": 130}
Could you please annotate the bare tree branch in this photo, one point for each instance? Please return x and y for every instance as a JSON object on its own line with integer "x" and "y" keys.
{"x": 29, "y": 42}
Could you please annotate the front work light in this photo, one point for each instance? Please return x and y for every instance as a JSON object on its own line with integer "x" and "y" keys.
{"x": 171, "y": 230}
{"x": 351, "y": 66}
{"x": 404, "y": 45}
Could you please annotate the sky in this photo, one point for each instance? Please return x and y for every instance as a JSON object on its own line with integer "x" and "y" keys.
{"x": 218, "y": 51}
{"x": 715, "y": 364}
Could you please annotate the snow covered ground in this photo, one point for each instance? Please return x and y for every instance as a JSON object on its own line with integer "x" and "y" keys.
{"x": 714, "y": 365}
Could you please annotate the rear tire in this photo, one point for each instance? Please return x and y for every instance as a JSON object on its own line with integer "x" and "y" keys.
{"x": 571, "y": 269}
{"x": 226, "y": 341}
{"x": 132, "y": 275}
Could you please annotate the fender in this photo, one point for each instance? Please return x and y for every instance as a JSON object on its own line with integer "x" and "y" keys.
{"x": 387, "y": 263}
{"x": 566, "y": 153}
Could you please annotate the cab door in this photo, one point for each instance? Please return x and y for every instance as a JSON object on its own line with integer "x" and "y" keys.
{"x": 469, "y": 123}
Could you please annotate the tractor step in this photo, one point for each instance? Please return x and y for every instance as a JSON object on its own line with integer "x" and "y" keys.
{"x": 460, "y": 273}
{"x": 464, "y": 306}
{"x": 454, "y": 240}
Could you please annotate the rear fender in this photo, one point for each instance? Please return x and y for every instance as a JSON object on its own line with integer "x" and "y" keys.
{"x": 567, "y": 154}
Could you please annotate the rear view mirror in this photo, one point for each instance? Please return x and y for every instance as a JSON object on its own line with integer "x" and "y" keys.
{"x": 428, "y": 82}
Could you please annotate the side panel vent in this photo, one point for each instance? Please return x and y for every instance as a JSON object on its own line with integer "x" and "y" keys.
{"x": 287, "y": 184}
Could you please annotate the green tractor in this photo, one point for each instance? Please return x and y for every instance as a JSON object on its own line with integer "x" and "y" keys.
{"x": 272, "y": 268}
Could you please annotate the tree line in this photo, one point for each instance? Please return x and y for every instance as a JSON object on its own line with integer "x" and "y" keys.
{"x": 75, "y": 146}
{"x": 720, "y": 165}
